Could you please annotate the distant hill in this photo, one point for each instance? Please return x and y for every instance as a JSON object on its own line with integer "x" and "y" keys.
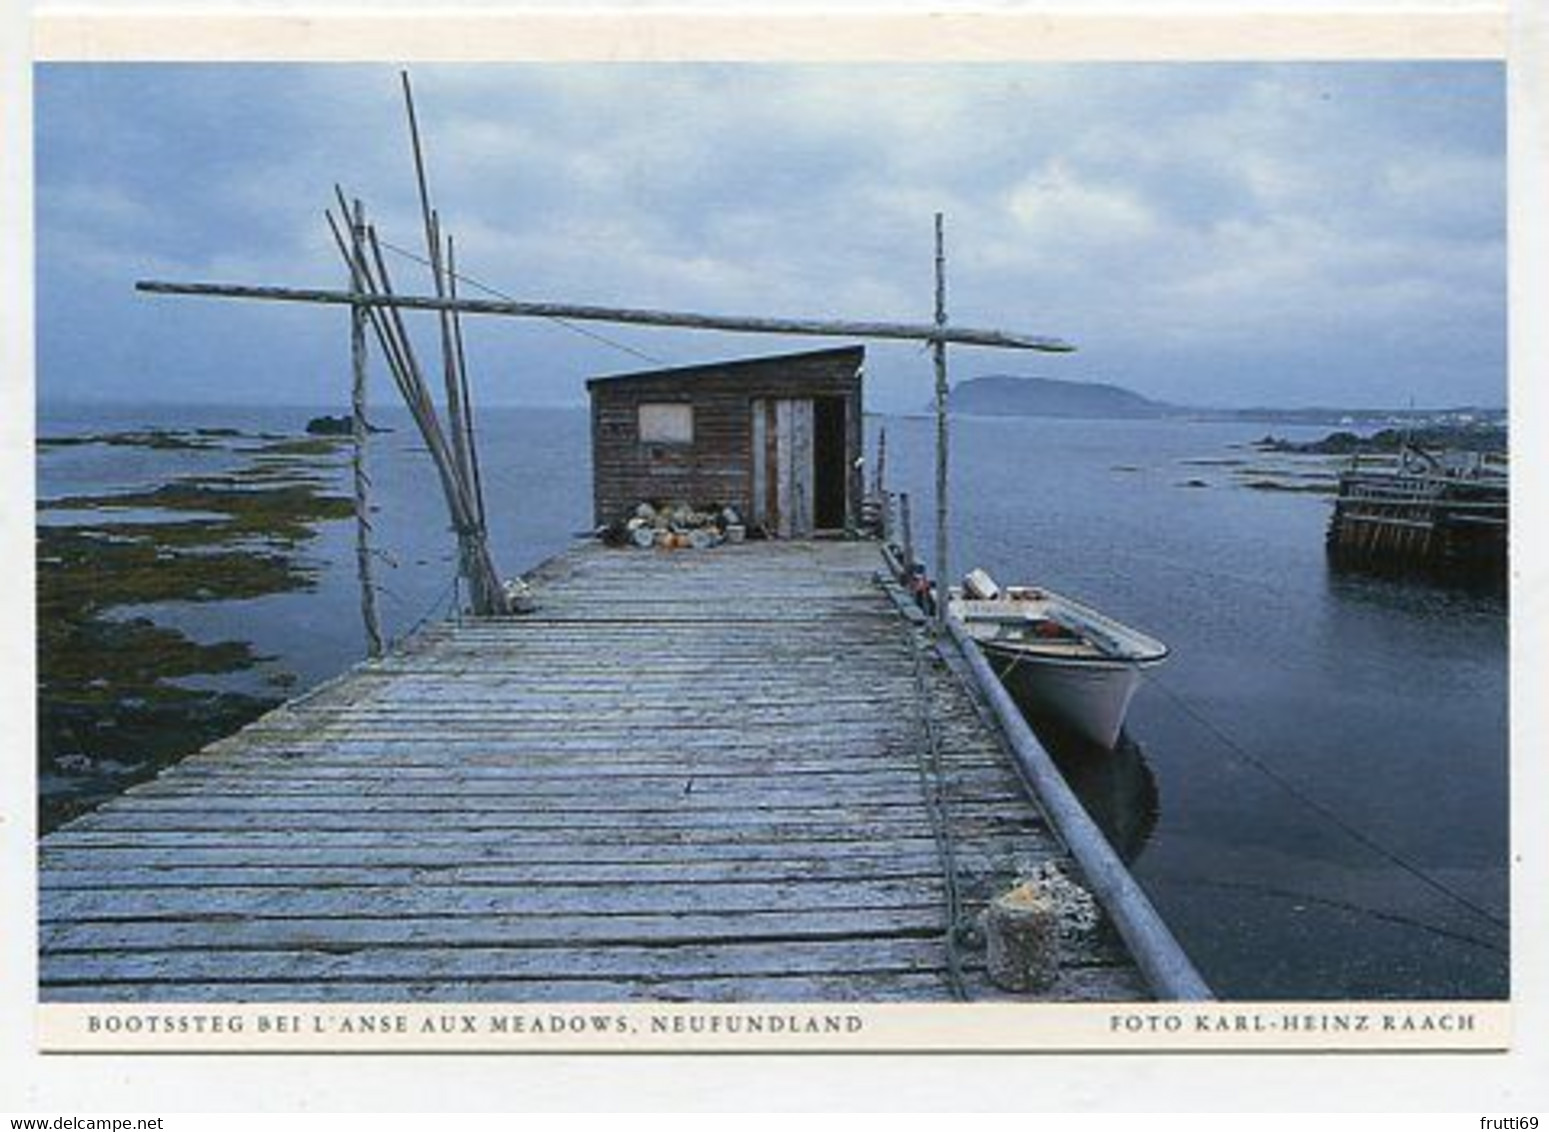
{"x": 1003, "y": 396}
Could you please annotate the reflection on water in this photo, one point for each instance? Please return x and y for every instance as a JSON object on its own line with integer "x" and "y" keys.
{"x": 1116, "y": 788}
{"x": 1416, "y": 595}
{"x": 1467, "y": 575}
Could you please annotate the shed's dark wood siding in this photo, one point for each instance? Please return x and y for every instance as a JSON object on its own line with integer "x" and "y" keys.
{"x": 718, "y": 466}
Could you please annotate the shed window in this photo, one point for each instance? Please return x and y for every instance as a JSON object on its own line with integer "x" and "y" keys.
{"x": 666, "y": 423}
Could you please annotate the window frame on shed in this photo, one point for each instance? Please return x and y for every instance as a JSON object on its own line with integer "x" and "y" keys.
{"x": 671, "y": 422}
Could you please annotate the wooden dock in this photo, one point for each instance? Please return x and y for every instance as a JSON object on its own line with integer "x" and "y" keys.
{"x": 1441, "y": 522}
{"x": 690, "y": 776}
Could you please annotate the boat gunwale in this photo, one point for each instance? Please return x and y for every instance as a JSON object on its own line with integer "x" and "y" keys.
{"x": 1134, "y": 647}
{"x": 1030, "y": 653}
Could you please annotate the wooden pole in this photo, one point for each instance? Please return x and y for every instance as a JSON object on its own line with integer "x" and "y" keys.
{"x": 881, "y": 480}
{"x": 809, "y": 327}
{"x": 484, "y": 590}
{"x": 417, "y": 386}
{"x": 449, "y": 375}
{"x": 939, "y": 351}
{"x": 432, "y": 221}
{"x": 461, "y": 357}
{"x": 476, "y": 565}
{"x": 358, "y": 319}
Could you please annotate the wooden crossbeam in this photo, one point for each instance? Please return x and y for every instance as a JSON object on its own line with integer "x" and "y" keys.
{"x": 921, "y": 332}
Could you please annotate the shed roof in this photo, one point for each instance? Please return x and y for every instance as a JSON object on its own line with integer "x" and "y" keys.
{"x": 701, "y": 368}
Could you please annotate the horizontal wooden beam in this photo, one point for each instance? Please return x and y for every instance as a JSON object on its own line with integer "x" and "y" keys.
{"x": 922, "y": 332}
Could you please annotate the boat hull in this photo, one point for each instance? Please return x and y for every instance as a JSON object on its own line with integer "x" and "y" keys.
{"x": 1088, "y": 697}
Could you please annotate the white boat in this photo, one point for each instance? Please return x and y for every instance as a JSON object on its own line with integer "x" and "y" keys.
{"x": 1056, "y": 656}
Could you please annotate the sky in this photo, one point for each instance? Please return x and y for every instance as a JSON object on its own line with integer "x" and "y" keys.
{"x": 1224, "y": 235}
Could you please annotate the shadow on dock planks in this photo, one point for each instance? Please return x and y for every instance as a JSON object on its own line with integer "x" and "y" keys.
{"x": 687, "y": 777}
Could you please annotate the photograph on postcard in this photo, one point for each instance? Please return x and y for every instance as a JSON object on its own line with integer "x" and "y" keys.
{"x": 773, "y": 533}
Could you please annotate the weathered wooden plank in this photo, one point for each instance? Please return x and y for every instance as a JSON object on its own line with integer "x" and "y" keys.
{"x": 789, "y": 895}
{"x": 454, "y": 853}
{"x": 775, "y": 838}
{"x": 681, "y": 956}
{"x": 689, "y": 788}
{"x": 755, "y": 784}
{"x": 858, "y": 987}
{"x": 510, "y": 308}
{"x": 684, "y": 798}
{"x": 106, "y": 870}
{"x": 592, "y": 689}
{"x": 1083, "y": 984}
{"x": 596, "y": 724}
{"x": 838, "y": 822}
{"x": 708, "y": 727}
{"x": 511, "y": 778}
{"x": 493, "y": 762}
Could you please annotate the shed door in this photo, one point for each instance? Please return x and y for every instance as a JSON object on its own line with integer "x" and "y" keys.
{"x": 783, "y": 475}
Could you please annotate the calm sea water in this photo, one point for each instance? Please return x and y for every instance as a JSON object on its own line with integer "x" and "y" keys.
{"x": 1314, "y": 787}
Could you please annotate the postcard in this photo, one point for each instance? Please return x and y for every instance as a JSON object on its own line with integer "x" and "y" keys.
{"x": 666, "y": 533}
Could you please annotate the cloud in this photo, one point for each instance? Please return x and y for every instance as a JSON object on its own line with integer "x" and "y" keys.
{"x": 1201, "y": 230}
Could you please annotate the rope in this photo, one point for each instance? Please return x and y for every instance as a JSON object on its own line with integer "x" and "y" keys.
{"x": 449, "y": 591}
{"x": 584, "y": 331}
{"x": 933, "y": 787}
{"x": 1328, "y": 814}
{"x": 1330, "y": 902}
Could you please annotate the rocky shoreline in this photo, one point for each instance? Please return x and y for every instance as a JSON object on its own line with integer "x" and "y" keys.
{"x": 120, "y": 695}
{"x": 1465, "y": 438}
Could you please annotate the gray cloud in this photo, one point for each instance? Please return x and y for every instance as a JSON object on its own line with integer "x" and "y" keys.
{"x": 1212, "y": 233}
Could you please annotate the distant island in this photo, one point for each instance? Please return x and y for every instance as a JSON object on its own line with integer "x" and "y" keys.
{"x": 1479, "y": 437}
{"x": 342, "y": 425}
{"x": 1004, "y": 395}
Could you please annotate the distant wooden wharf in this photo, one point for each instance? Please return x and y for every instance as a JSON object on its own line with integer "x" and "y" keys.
{"x": 1437, "y": 518}
{"x": 689, "y": 776}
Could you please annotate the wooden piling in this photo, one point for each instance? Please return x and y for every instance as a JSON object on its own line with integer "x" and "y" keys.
{"x": 939, "y": 354}
{"x": 1451, "y": 527}
{"x": 879, "y": 484}
{"x": 358, "y": 432}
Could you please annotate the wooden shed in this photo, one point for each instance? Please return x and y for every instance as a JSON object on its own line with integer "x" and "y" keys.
{"x": 779, "y": 438}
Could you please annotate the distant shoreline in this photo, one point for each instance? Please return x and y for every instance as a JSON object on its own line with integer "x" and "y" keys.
{"x": 1007, "y": 396}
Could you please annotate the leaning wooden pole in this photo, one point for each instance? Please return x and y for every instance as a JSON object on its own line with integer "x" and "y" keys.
{"x": 470, "y": 439}
{"x": 432, "y": 223}
{"x": 359, "y": 316}
{"x": 476, "y": 565}
{"x": 939, "y": 351}
{"x": 449, "y": 374}
{"x": 485, "y": 593}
